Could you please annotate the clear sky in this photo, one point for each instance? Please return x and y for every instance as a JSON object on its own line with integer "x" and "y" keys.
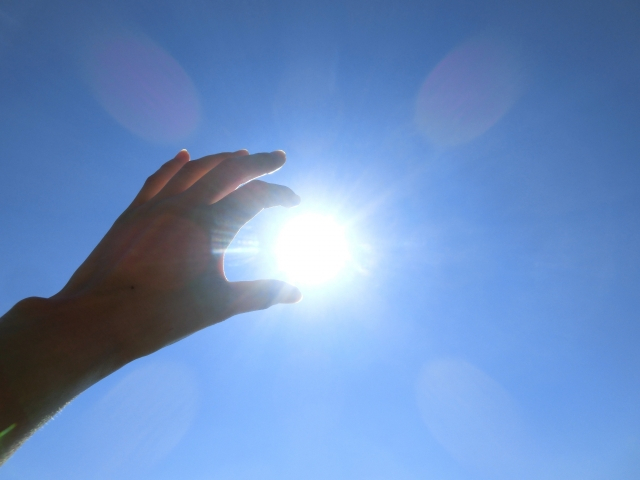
{"x": 483, "y": 159}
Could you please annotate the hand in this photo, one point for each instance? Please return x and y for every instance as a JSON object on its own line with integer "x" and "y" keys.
{"x": 156, "y": 277}
{"x": 162, "y": 260}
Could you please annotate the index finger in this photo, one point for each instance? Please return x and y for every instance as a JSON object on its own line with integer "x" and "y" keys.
{"x": 193, "y": 171}
{"x": 230, "y": 174}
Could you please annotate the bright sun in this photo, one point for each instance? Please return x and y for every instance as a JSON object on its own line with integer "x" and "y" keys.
{"x": 312, "y": 249}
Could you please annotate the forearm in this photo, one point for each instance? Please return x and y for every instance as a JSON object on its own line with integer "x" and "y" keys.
{"x": 50, "y": 351}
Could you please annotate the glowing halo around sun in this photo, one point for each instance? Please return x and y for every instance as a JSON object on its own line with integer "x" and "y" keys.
{"x": 312, "y": 249}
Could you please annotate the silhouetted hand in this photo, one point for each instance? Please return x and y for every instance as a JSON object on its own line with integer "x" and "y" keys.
{"x": 156, "y": 277}
{"x": 164, "y": 256}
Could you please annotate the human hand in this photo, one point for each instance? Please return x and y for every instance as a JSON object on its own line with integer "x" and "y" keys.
{"x": 156, "y": 277}
{"x": 160, "y": 267}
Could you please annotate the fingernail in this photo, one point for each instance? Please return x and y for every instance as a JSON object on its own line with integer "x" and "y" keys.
{"x": 241, "y": 151}
{"x": 279, "y": 153}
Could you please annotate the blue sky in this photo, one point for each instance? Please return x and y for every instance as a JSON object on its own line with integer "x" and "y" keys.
{"x": 483, "y": 157}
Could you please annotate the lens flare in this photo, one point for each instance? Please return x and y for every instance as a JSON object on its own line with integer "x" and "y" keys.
{"x": 143, "y": 87}
{"x": 473, "y": 417}
{"x": 468, "y": 92}
{"x": 312, "y": 249}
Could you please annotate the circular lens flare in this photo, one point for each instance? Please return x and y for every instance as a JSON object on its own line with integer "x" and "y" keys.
{"x": 312, "y": 249}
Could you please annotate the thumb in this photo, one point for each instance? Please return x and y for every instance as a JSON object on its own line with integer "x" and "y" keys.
{"x": 261, "y": 294}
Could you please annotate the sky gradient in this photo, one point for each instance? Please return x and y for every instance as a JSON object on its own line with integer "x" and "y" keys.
{"x": 483, "y": 158}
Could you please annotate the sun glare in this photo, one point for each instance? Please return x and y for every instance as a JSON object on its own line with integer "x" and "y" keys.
{"x": 312, "y": 249}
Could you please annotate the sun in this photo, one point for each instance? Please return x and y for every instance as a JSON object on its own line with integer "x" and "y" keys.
{"x": 312, "y": 249}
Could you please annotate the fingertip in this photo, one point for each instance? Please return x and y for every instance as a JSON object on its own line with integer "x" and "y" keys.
{"x": 291, "y": 201}
{"x": 241, "y": 153}
{"x": 280, "y": 155}
{"x": 279, "y": 159}
{"x": 183, "y": 155}
{"x": 300, "y": 297}
{"x": 289, "y": 294}
{"x": 283, "y": 196}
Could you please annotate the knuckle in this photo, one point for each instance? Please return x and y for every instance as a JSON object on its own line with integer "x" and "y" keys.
{"x": 151, "y": 178}
{"x": 193, "y": 165}
{"x": 167, "y": 165}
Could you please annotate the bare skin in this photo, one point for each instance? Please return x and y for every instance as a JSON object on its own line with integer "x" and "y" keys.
{"x": 156, "y": 277}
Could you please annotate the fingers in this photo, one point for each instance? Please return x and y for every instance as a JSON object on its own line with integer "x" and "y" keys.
{"x": 240, "y": 206}
{"x": 193, "y": 171}
{"x": 159, "y": 179}
{"x": 261, "y": 294}
{"x": 230, "y": 174}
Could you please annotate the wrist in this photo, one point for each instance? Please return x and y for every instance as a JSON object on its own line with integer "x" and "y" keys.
{"x": 53, "y": 349}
